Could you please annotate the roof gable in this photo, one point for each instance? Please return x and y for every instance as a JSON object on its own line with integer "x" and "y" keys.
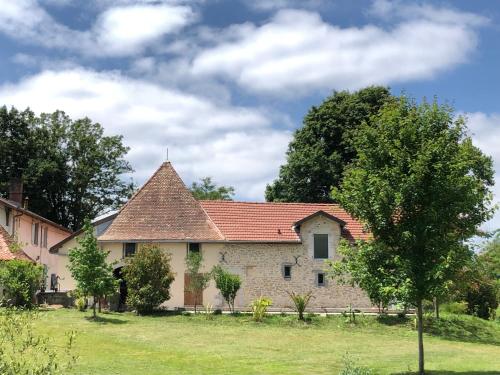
{"x": 163, "y": 209}
{"x": 342, "y": 223}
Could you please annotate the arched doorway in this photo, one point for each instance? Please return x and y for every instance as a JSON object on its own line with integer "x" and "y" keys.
{"x": 122, "y": 300}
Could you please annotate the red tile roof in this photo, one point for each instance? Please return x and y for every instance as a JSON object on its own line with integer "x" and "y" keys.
{"x": 273, "y": 222}
{"x": 5, "y": 242}
{"x": 5, "y": 252}
{"x": 163, "y": 209}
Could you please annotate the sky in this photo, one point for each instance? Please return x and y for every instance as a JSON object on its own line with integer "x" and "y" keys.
{"x": 223, "y": 84}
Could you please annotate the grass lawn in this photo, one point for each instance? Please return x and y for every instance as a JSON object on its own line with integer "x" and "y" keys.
{"x": 180, "y": 344}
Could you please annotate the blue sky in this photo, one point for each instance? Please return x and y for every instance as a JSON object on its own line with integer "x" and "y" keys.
{"x": 223, "y": 84}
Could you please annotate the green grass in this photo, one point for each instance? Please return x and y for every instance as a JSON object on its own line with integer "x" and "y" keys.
{"x": 179, "y": 344}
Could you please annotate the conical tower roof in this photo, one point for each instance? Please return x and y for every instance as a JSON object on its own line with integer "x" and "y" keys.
{"x": 162, "y": 210}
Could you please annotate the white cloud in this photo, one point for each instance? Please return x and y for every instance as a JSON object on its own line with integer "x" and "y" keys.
{"x": 125, "y": 30}
{"x": 267, "y": 5}
{"x": 485, "y": 129}
{"x": 118, "y": 31}
{"x": 235, "y": 145}
{"x": 296, "y": 52}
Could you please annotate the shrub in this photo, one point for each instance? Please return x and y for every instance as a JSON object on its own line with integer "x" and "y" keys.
{"x": 259, "y": 308}
{"x": 482, "y": 298}
{"x": 148, "y": 276}
{"x": 20, "y": 279}
{"x": 228, "y": 285}
{"x": 351, "y": 368}
{"x": 300, "y": 302}
{"x": 24, "y": 351}
{"x": 457, "y": 308}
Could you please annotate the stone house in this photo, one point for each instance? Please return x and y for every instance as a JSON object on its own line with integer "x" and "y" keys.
{"x": 274, "y": 247}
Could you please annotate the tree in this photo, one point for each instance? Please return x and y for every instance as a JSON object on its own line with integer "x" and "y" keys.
{"x": 70, "y": 170}
{"x": 422, "y": 188}
{"x": 489, "y": 258}
{"x": 228, "y": 285}
{"x": 369, "y": 267}
{"x": 323, "y": 147}
{"x": 198, "y": 281}
{"x": 206, "y": 189}
{"x": 89, "y": 267}
{"x": 21, "y": 279}
{"x": 148, "y": 276}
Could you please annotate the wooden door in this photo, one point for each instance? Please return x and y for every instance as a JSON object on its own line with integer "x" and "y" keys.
{"x": 189, "y": 297}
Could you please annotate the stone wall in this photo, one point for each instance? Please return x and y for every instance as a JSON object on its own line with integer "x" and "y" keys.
{"x": 261, "y": 268}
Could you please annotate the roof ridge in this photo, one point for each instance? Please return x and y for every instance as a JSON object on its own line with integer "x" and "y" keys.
{"x": 271, "y": 203}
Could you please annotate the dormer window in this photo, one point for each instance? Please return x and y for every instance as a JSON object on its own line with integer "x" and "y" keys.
{"x": 321, "y": 246}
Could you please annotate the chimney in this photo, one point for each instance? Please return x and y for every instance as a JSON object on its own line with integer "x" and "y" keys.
{"x": 16, "y": 190}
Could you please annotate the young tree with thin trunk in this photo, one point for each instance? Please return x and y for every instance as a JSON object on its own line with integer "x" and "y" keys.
{"x": 198, "y": 281}
{"x": 89, "y": 267}
{"x": 422, "y": 188}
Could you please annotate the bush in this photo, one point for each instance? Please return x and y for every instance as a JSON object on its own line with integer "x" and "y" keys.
{"x": 259, "y": 308}
{"x": 148, "y": 276}
{"x": 228, "y": 285}
{"x": 482, "y": 299}
{"x": 24, "y": 351}
{"x": 457, "y": 308}
{"x": 300, "y": 302}
{"x": 20, "y": 279}
{"x": 351, "y": 368}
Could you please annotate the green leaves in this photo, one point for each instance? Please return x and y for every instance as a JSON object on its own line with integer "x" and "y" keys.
{"x": 148, "y": 275}
{"x": 208, "y": 190}
{"x": 421, "y": 188}
{"x": 70, "y": 169}
{"x": 20, "y": 279}
{"x": 324, "y": 146}
{"x": 228, "y": 285}
{"x": 89, "y": 267}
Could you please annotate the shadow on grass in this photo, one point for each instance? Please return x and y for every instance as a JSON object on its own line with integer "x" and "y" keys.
{"x": 394, "y": 320}
{"x": 452, "y": 327}
{"x": 463, "y": 328}
{"x": 99, "y": 319}
{"x": 437, "y": 372}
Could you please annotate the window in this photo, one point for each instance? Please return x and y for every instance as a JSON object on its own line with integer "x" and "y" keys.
{"x": 320, "y": 279}
{"x": 194, "y": 247}
{"x": 287, "y": 271}
{"x": 129, "y": 249}
{"x": 44, "y": 236}
{"x": 7, "y": 216}
{"x": 321, "y": 246}
{"x": 34, "y": 233}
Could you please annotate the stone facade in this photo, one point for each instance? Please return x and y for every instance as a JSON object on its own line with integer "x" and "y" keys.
{"x": 261, "y": 268}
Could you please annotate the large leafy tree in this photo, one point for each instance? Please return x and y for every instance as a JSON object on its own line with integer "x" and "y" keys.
{"x": 422, "y": 188}
{"x": 70, "y": 169}
{"x": 90, "y": 269}
{"x": 206, "y": 189}
{"x": 323, "y": 147}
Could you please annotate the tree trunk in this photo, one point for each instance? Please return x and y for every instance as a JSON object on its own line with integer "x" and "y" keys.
{"x": 100, "y": 305}
{"x": 436, "y": 307}
{"x": 420, "y": 328}
{"x": 94, "y": 302}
